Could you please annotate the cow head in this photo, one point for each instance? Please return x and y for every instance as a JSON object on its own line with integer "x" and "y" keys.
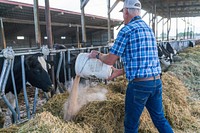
{"x": 36, "y": 73}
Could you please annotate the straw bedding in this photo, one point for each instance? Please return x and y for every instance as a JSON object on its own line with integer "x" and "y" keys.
{"x": 180, "y": 99}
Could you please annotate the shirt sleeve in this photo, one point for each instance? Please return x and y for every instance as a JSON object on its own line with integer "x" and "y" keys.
{"x": 119, "y": 44}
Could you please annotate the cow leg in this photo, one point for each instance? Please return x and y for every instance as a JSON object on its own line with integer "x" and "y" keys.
{"x": 9, "y": 117}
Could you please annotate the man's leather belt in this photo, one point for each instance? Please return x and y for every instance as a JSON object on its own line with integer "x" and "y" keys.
{"x": 147, "y": 79}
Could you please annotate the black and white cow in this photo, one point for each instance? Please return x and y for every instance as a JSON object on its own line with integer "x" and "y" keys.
{"x": 35, "y": 73}
{"x": 60, "y": 80}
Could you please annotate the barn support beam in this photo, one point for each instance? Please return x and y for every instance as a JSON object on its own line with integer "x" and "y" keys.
{"x": 49, "y": 38}
{"x": 176, "y": 28}
{"x": 154, "y": 18}
{"x": 83, "y": 4}
{"x": 77, "y": 37}
{"x": 18, "y": 21}
{"x": 2, "y": 35}
{"x": 37, "y": 24}
{"x": 109, "y": 29}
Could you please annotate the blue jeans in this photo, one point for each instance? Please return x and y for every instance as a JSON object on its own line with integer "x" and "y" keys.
{"x": 141, "y": 94}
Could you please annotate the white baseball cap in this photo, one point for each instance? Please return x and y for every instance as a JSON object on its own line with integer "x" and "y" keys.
{"x": 132, "y": 4}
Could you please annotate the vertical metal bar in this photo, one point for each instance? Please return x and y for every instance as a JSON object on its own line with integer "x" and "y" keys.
{"x": 188, "y": 27}
{"x": 58, "y": 69}
{"x": 24, "y": 88}
{"x": 2, "y": 34}
{"x": 156, "y": 28}
{"x": 49, "y": 37}
{"x": 184, "y": 28}
{"x": 14, "y": 88}
{"x": 153, "y": 18}
{"x": 176, "y": 28}
{"x": 109, "y": 28}
{"x": 68, "y": 64}
{"x": 83, "y": 25}
{"x": 163, "y": 29}
{"x": 37, "y": 25}
{"x": 149, "y": 19}
{"x": 77, "y": 36}
{"x": 4, "y": 76}
{"x": 35, "y": 100}
{"x": 64, "y": 67}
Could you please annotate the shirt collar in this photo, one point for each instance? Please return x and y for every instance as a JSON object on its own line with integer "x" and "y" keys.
{"x": 135, "y": 18}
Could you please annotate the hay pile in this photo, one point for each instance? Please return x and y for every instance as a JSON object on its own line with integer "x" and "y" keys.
{"x": 181, "y": 110}
{"x": 188, "y": 70}
{"x": 55, "y": 105}
{"x": 45, "y": 122}
{"x": 177, "y": 108}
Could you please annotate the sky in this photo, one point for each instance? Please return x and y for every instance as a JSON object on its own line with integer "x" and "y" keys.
{"x": 99, "y": 7}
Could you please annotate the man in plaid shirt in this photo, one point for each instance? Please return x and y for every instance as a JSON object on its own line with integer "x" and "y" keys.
{"x": 137, "y": 47}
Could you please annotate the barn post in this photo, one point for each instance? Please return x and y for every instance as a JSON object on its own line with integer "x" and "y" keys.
{"x": 83, "y": 4}
{"x": 109, "y": 11}
{"x": 2, "y": 34}
{"x": 49, "y": 38}
{"x": 109, "y": 29}
{"x": 176, "y": 28}
{"x": 37, "y": 24}
{"x": 154, "y": 18}
{"x": 163, "y": 24}
{"x": 77, "y": 36}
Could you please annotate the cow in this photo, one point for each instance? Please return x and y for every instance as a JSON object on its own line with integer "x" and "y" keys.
{"x": 35, "y": 73}
{"x": 60, "y": 77}
{"x": 163, "y": 58}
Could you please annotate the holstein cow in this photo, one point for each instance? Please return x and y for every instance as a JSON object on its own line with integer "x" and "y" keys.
{"x": 60, "y": 77}
{"x": 163, "y": 58}
{"x": 35, "y": 73}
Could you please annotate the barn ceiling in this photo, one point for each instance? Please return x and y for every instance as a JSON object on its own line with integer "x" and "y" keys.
{"x": 172, "y": 8}
{"x": 16, "y": 15}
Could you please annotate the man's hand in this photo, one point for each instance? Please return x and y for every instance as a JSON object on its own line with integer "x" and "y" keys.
{"x": 116, "y": 73}
{"x": 93, "y": 54}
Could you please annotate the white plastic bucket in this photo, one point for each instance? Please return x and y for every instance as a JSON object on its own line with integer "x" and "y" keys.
{"x": 91, "y": 68}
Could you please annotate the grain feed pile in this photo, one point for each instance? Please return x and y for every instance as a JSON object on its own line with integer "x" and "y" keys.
{"x": 188, "y": 70}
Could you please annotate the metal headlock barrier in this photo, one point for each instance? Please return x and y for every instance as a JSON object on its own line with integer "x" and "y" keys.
{"x": 9, "y": 56}
{"x": 179, "y": 45}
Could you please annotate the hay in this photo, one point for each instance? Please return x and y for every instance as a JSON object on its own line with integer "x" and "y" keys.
{"x": 177, "y": 109}
{"x": 188, "y": 70}
{"x": 2, "y": 119}
{"x": 181, "y": 108}
{"x": 118, "y": 86}
{"x": 11, "y": 129}
{"x": 47, "y": 123}
{"x": 103, "y": 116}
{"x": 55, "y": 105}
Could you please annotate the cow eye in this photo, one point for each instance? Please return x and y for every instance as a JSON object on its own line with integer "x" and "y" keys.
{"x": 38, "y": 71}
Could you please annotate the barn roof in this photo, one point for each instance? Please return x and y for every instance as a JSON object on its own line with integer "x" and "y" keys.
{"x": 177, "y": 8}
{"x": 22, "y": 13}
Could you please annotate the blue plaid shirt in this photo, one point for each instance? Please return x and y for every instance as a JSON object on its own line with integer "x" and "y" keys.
{"x": 136, "y": 45}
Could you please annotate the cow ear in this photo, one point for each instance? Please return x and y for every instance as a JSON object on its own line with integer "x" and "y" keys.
{"x": 27, "y": 65}
{"x": 29, "y": 61}
{"x": 50, "y": 62}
